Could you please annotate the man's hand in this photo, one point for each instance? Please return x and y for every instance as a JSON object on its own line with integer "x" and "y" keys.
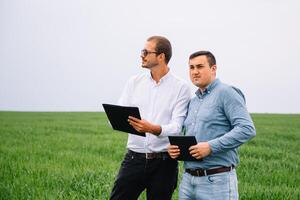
{"x": 173, "y": 151}
{"x": 142, "y": 125}
{"x": 200, "y": 150}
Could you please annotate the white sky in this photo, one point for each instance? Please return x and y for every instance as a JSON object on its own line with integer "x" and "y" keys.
{"x": 72, "y": 55}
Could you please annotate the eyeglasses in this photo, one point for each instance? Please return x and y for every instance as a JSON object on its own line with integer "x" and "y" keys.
{"x": 144, "y": 52}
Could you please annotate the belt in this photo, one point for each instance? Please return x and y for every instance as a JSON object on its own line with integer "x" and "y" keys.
{"x": 203, "y": 172}
{"x": 153, "y": 155}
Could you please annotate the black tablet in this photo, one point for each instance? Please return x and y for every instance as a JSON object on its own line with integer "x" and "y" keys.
{"x": 118, "y": 117}
{"x": 184, "y": 143}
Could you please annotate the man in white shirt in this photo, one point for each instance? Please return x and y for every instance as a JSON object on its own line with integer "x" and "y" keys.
{"x": 162, "y": 99}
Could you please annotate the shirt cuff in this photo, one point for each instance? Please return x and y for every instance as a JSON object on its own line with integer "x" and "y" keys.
{"x": 167, "y": 130}
{"x": 163, "y": 130}
{"x": 215, "y": 145}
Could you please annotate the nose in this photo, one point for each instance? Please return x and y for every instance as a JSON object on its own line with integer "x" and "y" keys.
{"x": 194, "y": 71}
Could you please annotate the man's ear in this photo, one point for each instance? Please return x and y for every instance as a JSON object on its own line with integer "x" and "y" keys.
{"x": 162, "y": 56}
{"x": 214, "y": 68}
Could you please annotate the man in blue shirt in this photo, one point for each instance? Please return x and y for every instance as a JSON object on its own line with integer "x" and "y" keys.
{"x": 218, "y": 118}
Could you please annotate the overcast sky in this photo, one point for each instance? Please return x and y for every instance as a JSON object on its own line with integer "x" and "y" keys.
{"x": 72, "y": 55}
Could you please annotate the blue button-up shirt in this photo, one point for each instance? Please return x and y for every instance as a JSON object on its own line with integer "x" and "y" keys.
{"x": 219, "y": 116}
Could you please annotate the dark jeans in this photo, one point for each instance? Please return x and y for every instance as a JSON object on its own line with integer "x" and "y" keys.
{"x": 158, "y": 176}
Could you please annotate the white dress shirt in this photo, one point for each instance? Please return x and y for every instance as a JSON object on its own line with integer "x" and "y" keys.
{"x": 163, "y": 103}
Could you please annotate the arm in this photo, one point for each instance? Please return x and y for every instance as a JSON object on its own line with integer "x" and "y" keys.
{"x": 178, "y": 116}
{"x": 239, "y": 119}
{"x": 142, "y": 125}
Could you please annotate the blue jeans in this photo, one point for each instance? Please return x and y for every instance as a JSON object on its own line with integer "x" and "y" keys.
{"x": 216, "y": 186}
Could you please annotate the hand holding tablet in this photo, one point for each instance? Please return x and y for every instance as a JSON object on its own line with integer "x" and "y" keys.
{"x": 184, "y": 143}
{"x": 118, "y": 117}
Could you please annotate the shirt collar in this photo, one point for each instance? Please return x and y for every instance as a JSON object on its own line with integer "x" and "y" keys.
{"x": 209, "y": 88}
{"x": 165, "y": 77}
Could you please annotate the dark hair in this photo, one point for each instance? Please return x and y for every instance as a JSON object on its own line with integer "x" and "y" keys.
{"x": 210, "y": 57}
{"x": 163, "y": 45}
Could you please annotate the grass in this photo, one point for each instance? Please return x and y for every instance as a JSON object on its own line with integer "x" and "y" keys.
{"x": 77, "y": 156}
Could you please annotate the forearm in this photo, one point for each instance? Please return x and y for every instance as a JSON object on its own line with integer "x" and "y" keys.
{"x": 155, "y": 129}
{"x": 233, "y": 139}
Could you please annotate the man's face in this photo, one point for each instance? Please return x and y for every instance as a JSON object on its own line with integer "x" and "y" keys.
{"x": 201, "y": 74}
{"x": 149, "y": 57}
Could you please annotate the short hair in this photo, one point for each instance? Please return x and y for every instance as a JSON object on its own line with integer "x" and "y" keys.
{"x": 163, "y": 45}
{"x": 210, "y": 57}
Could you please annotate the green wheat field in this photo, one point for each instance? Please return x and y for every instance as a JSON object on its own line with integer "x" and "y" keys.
{"x": 76, "y": 155}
